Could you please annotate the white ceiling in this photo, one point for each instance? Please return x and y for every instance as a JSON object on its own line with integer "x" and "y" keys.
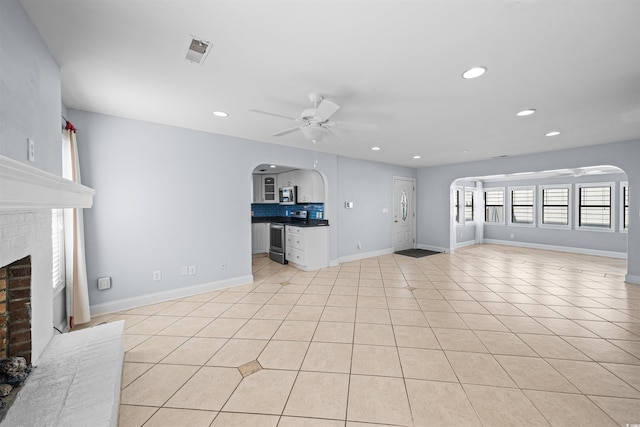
{"x": 394, "y": 63}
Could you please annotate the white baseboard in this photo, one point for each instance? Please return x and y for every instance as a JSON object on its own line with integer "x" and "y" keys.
{"x": 582, "y": 251}
{"x": 633, "y": 279}
{"x": 154, "y": 298}
{"x": 357, "y": 257}
{"x": 464, "y": 244}
{"x": 334, "y": 262}
{"x": 434, "y": 248}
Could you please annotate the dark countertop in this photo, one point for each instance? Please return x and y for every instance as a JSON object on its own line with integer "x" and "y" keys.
{"x": 287, "y": 220}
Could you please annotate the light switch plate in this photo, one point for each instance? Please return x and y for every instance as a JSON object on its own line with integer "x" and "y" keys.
{"x": 31, "y": 150}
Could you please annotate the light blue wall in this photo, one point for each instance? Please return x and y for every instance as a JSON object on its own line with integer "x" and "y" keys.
{"x": 168, "y": 197}
{"x": 369, "y": 186}
{"x": 30, "y": 106}
{"x": 433, "y": 191}
{"x": 30, "y": 96}
{"x": 599, "y": 240}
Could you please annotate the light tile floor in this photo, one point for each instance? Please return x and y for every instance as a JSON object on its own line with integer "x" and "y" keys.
{"x": 491, "y": 336}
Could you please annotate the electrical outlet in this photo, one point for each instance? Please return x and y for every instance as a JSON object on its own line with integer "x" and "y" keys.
{"x": 192, "y": 270}
{"x": 513, "y": 236}
{"x": 223, "y": 265}
{"x": 184, "y": 270}
{"x": 104, "y": 283}
{"x": 157, "y": 275}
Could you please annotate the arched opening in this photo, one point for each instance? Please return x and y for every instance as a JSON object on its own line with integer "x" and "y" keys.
{"x": 286, "y": 196}
{"x": 582, "y": 210}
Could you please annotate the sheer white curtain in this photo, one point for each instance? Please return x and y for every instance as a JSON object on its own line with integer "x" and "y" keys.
{"x": 76, "y": 267}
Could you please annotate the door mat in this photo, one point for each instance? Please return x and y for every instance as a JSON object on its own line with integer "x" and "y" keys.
{"x": 416, "y": 253}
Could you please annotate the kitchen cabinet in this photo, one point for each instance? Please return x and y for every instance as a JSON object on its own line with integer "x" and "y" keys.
{"x": 310, "y": 184}
{"x": 260, "y": 238}
{"x": 310, "y": 187}
{"x": 307, "y": 248}
{"x": 265, "y": 189}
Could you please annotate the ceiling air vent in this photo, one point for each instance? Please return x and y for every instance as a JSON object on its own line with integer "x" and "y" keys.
{"x": 197, "y": 49}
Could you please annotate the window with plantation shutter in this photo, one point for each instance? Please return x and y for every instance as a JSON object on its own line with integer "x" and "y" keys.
{"x": 595, "y": 208}
{"x": 625, "y": 206}
{"x": 494, "y": 206}
{"x": 468, "y": 205}
{"x": 555, "y": 206}
{"x": 522, "y": 200}
{"x": 57, "y": 247}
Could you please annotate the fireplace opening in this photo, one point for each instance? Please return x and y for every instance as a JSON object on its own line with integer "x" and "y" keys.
{"x": 15, "y": 329}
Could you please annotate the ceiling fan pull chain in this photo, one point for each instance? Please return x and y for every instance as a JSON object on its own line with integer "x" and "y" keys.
{"x": 315, "y": 154}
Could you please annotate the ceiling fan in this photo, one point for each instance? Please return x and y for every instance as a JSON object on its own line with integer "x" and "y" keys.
{"x": 315, "y": 122}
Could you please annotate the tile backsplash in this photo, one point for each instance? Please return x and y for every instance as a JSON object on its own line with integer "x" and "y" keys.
{"x": 316, "y": 210}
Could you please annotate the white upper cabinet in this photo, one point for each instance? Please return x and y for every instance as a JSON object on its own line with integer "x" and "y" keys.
{"x": 310, "y": 187}
{"x": 265, "y": 189}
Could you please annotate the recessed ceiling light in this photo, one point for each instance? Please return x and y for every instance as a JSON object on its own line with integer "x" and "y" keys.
{"x": 474, "y": 72}
{"x": 465, "y": 151}
{"x": 527, "y": 112}
{"x": 375, "y": 148}
{"x": 272, "y": 166}
{"x": 553, "y": 133}
{"x": 416, "y": 157}
{"x": 220, "y": 114}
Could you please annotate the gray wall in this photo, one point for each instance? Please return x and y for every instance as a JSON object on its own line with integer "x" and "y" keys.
{"x": 30, "y": 106}
{"x": 466, "y": 231}
{"x": 433, "y": 191}
{"x": 168, "y": 197}
{"x": 369, "y": 186}
{"x": 572, "y": 238}
{"x": 30, "y": 96}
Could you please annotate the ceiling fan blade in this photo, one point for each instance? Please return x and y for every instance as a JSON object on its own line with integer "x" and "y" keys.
{"x": 353, "y": 125}
{"x": 287, "y": 132}
{"x": 273, "y": 114}
{"x": 326, "y": 109}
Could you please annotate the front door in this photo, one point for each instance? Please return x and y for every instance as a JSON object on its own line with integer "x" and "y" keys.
{"x": 404, "y": 213}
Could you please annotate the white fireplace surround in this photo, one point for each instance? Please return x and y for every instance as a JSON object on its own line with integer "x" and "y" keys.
{"x": 27, "y": 195}
{"x": 26, "y": 188}
{"x": 87, "y": 389}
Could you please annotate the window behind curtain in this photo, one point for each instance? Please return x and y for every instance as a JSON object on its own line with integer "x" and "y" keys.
{"x": 57, "y": 247}
{"x": 595, "y": 207}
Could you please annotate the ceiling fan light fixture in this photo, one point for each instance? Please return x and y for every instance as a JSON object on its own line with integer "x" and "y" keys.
{"x": 474, "y": 72}
{"x": 553, "y": 133}
{"x": 526, "y": 112}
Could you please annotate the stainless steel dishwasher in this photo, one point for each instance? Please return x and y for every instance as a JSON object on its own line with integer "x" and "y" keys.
{"x": 277, "y": 242}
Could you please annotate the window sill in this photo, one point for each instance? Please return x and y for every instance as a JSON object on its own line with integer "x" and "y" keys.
{"x": 58, "y": 289}
{"x": 596, "y": 229}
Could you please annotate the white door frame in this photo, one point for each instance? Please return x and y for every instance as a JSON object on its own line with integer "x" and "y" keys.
{"x": 412, "y": 203}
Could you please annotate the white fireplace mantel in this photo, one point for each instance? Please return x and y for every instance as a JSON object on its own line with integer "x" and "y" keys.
{"x": 24, "y": 187}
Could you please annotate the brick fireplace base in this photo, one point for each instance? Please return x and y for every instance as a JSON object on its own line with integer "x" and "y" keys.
{"x": 15, "y": 309}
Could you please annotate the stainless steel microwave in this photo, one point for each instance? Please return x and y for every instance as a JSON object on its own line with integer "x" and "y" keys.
{"x": 289, "y": 195}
